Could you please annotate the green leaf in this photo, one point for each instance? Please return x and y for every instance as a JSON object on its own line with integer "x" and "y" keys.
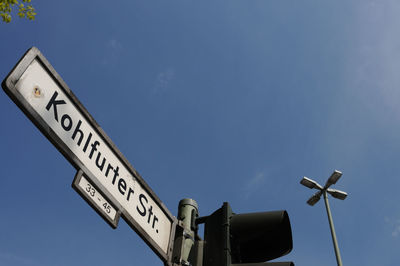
{"x": 23, "y": 11}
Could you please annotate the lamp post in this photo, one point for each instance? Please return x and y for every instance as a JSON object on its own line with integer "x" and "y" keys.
{"x": 324, "y": 191}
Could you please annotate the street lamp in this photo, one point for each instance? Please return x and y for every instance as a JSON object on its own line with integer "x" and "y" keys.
{"x": 324, "y": 191}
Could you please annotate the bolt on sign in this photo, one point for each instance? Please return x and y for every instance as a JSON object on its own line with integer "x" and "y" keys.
{"x": 105, "y": 178}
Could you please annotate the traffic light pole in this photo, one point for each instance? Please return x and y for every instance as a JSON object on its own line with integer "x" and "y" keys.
{"x": 187, "y": 251}
{"x": 335, "y": 244}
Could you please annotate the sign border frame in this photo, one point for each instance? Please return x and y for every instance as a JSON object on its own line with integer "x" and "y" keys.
{"x": 8, "y": 86}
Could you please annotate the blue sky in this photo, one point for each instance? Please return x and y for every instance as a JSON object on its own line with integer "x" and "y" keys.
{"x": 216, "y": 101}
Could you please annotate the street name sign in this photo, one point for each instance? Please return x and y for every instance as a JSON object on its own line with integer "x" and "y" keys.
{"x": 103, "y": 171}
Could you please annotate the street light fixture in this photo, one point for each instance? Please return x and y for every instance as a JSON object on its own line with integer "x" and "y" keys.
{"x": 324, "y": 191}
{"x": 310, "y": 183}
{"x": 333, "y": 178}
{"x": 337, "y": 193}
{"x": 314, "y": 198}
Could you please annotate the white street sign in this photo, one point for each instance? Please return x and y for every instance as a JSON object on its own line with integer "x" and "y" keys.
{"x": 40, "y": 92}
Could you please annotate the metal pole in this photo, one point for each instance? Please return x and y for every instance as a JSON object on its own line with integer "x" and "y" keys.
{"x": 335, "y": 244}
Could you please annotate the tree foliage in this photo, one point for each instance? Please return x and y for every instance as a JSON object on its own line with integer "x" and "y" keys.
{"x": 25, "y": 9}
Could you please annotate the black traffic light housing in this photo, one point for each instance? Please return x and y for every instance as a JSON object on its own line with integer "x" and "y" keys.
{"x": 246, "y": 239}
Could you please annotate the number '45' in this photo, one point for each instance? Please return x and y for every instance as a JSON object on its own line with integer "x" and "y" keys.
{"x": 107, "y": 207}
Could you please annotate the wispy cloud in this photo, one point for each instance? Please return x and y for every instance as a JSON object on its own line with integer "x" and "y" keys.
{"x": 378, "y": 58}
{"x": 396, "y": 231}
{"x": 114, "y": 44}
{"x": 394, "y": 225}
{"x": 12, "y": 259}
{"x": 163, "y": 80}
{"x": 112, "y": 52}
{"x": 254, "y": 183}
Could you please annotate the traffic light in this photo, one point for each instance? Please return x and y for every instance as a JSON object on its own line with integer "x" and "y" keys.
{"x": 246, "y": 239}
